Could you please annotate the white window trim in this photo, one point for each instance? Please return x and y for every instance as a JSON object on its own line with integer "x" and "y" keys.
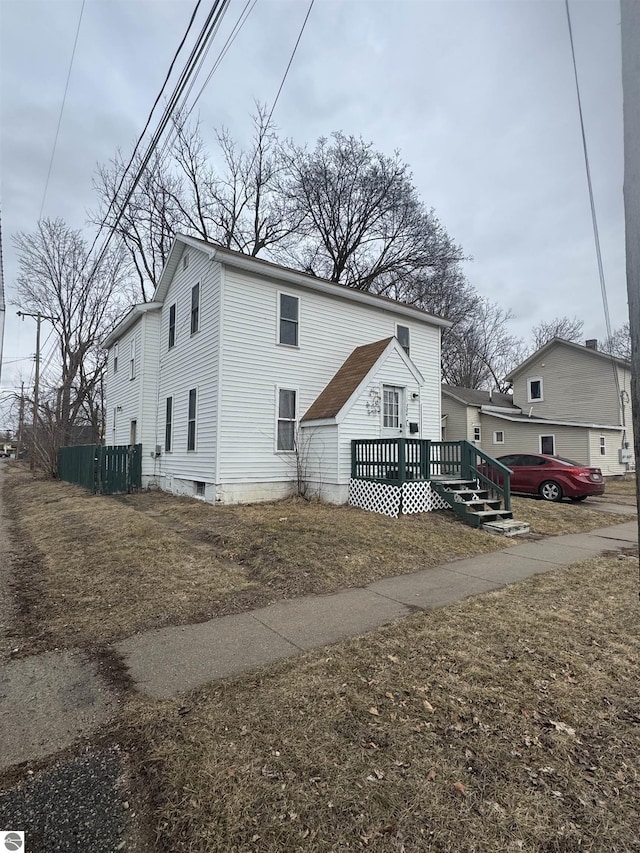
{"x": 475, "y": 427}
{"x": 496, "y": 433}
{"x": 404, "y": 326}
{"x": 531, "y": 399}
{"x": 132, "y": 360}
{"x": 175, "y": 325}
{"x": 115, "y": 357}
{"x": 547, "y": 435}
{"x": 170, "y": 424}
{"x": 603, "y": 445}
{"x": 277, "y": 418}
{"x": 295, "y": 296}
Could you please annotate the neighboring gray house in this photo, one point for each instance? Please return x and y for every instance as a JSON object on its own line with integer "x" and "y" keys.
{"x": 568, "y": 400}
{"x": 239, "y": 365}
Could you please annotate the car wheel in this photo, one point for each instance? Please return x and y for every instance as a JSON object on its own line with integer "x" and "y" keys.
{"x": 579, "y": 498}
{"x": 550, "y": 491}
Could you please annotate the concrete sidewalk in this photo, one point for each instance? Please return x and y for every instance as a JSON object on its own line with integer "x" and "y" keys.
{"x": 169, "y": 661}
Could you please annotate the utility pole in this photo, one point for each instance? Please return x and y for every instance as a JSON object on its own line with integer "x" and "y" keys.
{"x": 20, "y": 422}
{"x": 36, "y": 389}
{"x": 630, "y": 36}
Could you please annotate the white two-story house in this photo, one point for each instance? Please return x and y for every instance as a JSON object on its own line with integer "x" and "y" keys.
{"x": 243, "y": 377}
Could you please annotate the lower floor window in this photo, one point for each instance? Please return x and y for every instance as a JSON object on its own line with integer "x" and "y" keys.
{"x": 603, "y": 446}
{"x": 286, "y": 419}
{"x": 548, "y": 445}
{"x": 191, "y": 424}
{"x": 498, "y": 437}
{"x": 477, "y": 434}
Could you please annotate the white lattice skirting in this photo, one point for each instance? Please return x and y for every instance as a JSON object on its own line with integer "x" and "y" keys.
{"x": 391, "y": 500}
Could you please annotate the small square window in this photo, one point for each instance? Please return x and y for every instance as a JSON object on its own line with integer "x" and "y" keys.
{"x": 200, "y": 487}
{"x": 534, "y": 389}
{"x": 288, "y": 320}
{"x": 498, "y": 437}
{"x": 477, "y": 434}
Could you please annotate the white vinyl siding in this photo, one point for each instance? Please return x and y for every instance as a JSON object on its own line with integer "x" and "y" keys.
{"x": 191, "y": 363}
{"x": 456, "y": 418}
{"x": 252, "y": 365}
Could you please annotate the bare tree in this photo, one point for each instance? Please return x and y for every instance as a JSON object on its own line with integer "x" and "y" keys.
{"x": 365, "y": 224}
{"x": 619, "y": 343}
{"x": 480, "y": 352}
{"x": 566, "y": 328}
{"x": 56, "y": 279}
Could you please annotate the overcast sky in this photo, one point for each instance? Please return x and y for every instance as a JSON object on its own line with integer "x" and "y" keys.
{"x": 477, "y": 95}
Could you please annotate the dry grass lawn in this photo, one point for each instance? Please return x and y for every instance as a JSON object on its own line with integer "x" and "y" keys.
{"x": 510, "y": 722}
{"x": 95, "y": 569}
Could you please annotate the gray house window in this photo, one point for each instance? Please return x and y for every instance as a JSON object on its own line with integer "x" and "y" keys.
{"x": 534, "y": 389}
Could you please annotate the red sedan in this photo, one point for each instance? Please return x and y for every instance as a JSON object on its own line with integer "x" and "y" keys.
{"x": 552, "y": 477}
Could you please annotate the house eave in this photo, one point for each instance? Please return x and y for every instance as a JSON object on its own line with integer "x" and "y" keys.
{"x": 130, "y": 320}
{"x": 550, "y": 422}
{"x": 258, "y": 266}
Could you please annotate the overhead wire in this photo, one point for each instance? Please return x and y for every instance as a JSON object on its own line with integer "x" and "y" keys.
{"x": 64, "y": 99}
{"x": 594, "y": 220}
{"x": 215, "y": 15}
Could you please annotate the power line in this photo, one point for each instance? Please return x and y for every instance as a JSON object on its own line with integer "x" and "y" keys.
{"x": 64, "y": 98}
{"x": 293, "y": 53}
{"x": 211, "y": 24}
{"x": 594, "y": 220}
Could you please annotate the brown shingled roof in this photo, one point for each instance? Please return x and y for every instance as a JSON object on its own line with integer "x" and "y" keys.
{"x": 346, "y": 380}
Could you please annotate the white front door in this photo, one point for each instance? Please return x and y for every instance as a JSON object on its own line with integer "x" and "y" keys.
{"x": 392, "y": 411}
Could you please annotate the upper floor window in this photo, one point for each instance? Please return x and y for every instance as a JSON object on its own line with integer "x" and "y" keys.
{"x": 195, "y": 308}
{"x": 498, "y": 437}
{"x": 534, "y": 389}
{"x": 172, "y": 326}
{"x": 115, "y": 357}
{"x": 288, "y": 320}
{"x": 132, "y": 360}
{"x": 286, "y": 439}
{"x": 185, "y": 260}
{"x": 402, "y": 334}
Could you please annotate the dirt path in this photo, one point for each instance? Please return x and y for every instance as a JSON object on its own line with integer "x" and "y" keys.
{"x": 7, "y": 604}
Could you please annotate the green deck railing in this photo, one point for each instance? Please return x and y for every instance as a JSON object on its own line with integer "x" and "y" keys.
{"x": 399, "y": 460}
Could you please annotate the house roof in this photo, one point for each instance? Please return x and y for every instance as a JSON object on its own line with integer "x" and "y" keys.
{"x": 129, "y": 320}
{"x": 518, "y": 417}
{"x": 472, "y": 397}
{"x": 593, "y": 353}
{"x": 346, "y": 381}
{"x": 258, "y": 266}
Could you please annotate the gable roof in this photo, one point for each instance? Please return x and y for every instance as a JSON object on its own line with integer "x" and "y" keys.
{"x": 471, "y": 397}
{"x": 258, "y": 266}
{"x": 129, "y": 319}
{"x": 594, "y": 353}
{"x": 354, "y": 372}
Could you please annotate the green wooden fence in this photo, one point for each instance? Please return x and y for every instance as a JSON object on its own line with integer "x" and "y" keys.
{"x": 102, "y": 470}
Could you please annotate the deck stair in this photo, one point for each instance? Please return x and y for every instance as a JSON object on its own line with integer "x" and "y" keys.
{"x": 473, "y": 504}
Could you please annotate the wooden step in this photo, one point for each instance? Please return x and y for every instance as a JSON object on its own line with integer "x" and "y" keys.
{"x": 494, "y": 513}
